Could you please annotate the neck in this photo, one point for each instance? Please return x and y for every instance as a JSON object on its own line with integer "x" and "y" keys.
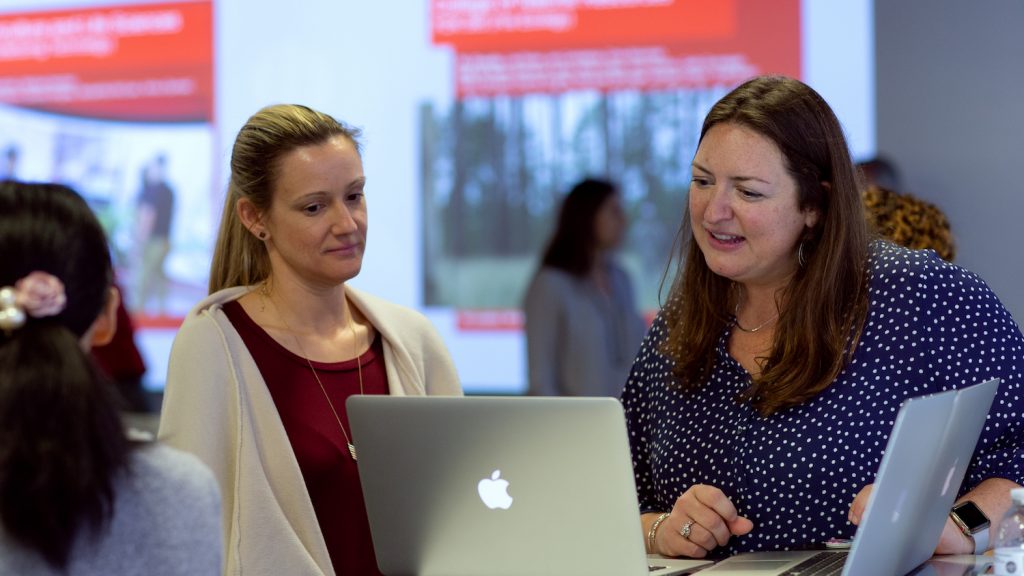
{"x": 756, "y": 305}
{"x": 309, "y": 309}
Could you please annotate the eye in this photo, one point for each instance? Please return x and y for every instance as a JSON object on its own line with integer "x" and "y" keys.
{"x": 354, "y": 196}
{"x": 701, "y": 181}
{"x": 749, "y": 194}
{"x": 313, "y": 209}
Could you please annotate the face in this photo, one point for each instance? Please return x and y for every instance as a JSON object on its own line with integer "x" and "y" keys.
{"x": 317, "y": 217}
{"x": 743, "y": 207}
{"x": 609, "y": 223}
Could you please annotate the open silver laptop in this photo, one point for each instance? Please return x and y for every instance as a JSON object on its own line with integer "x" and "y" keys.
{"x": 493, "y": 486}
{"x": 923, "y": 466}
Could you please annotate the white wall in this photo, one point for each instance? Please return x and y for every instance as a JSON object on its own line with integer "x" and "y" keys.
{"x": 950, "y": 85}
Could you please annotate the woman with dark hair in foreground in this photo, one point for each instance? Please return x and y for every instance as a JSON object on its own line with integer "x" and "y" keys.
{"x": 76, "y": 496}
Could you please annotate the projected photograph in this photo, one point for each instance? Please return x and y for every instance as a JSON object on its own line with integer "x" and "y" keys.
{"x": 477, "y": 118}
{"x": 117, "y": 102}
{"x": 549, "y": 95}
{"x": 148, "y": 184}
{"x": 495, "y": 171}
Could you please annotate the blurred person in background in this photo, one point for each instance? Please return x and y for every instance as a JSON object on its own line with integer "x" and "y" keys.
{"x": 153, "y": 220}
{"x": 582, "y": 325}
{"x": 122, "y": 362}
{"x": 909, "y": 221}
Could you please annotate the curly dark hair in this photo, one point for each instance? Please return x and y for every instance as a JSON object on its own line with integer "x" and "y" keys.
{"x": 909, "y": 221}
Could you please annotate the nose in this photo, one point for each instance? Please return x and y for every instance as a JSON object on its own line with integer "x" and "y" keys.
{"x": 344, "y": 222}
{"x": 718, "y": 207}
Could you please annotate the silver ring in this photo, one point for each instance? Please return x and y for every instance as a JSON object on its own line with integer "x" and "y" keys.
{"x": 685, "y": 530}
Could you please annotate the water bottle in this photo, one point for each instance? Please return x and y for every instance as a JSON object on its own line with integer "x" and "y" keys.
{"x": 1009, "y": 541}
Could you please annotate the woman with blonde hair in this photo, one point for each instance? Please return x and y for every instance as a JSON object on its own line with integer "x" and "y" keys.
{"x": 260, "y": 370}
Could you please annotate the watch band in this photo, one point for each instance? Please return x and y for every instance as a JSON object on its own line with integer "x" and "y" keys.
{"x": 980, "y": 541}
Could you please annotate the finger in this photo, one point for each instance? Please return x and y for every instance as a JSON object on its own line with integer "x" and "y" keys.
{"x": 675, "y": 545}
{"x": 670, "y": 541}
{"x": 859, "y": 504}
{"x": 707, "y": 516}
{"x": 740, "y": 526}
{"x": 700, "y": 536}
{"x": 715, "y": 499}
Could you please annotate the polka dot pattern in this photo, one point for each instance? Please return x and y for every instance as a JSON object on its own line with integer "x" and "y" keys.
{"x": 931, "y": 326}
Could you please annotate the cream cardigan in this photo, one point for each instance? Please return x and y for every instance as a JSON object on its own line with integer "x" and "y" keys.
{"x": 217, "y": 406}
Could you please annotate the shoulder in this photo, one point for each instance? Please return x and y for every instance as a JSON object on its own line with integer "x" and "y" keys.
{"x": 202, "y": 321}
{"x": 217, "y": 300}
{"x": 388, "y": 317}
{"x": 168, "y": 506}
{"x": 548, "y": 280}
{"x": 908, "y": 273}
{"x": 556, "y": 276}
{"x": 919, "y": 284}
{"x": 156, "y": 467}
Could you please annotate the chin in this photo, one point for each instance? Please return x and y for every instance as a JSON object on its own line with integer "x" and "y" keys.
{"x": 723, "y": 271}
{"x": 338, "y": 277}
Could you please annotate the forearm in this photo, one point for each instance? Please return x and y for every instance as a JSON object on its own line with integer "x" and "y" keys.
{"x": 992, "y": 496}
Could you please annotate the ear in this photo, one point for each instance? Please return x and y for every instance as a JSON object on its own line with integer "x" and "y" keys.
{"x": 250, "y": 216}
{"x": 811, "y": 215}
{"x": 103, "y": 328}
{"x": 810, "y": 218}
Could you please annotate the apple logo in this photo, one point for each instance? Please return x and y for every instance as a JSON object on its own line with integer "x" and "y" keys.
{"x": 494, "y": 491}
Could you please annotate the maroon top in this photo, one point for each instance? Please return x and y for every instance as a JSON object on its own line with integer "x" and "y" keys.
{"x": 331, "y": 476}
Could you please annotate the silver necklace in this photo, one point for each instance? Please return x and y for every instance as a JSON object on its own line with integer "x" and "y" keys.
{"x": 359, "y": 367}
{"x": 736, "y": 321}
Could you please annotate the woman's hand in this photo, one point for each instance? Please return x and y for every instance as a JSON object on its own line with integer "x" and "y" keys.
{"x": 952, "y": 541}
{"x": 712, "y": 520}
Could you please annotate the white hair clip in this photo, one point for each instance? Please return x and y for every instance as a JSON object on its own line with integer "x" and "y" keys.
{"x": 37, "y": 295}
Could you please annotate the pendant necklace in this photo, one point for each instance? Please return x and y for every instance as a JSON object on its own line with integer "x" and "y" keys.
{"x": 359, "y": 367}
{"x": 736, "y": 321}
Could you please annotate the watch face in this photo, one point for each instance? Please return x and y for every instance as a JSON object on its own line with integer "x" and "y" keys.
{"x": 971, "y": 515}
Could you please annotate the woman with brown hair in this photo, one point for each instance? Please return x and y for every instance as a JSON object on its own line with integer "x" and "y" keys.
{"x": 761, "y": 401}
{"x": 261, "y": 369}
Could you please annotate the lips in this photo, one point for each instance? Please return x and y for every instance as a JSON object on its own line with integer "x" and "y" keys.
{"x": 728, "y": 239}
{"x": 343, "y": 249}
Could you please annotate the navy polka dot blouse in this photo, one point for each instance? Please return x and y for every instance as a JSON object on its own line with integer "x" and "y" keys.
{"x": 931, "y": 326}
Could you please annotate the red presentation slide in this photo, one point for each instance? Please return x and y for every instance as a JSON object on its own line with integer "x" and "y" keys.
{"x": 553, "y": 46}
{"x": 147, "y": 62}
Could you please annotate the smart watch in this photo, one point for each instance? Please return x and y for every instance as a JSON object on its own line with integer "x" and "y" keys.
{"x": 973, "y": 523}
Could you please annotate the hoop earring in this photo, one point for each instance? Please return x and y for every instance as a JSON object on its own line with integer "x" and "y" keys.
{"x": 800, "y": 258}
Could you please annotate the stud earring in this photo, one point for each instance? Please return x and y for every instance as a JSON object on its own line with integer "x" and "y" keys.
{"x": 262, "y": 235}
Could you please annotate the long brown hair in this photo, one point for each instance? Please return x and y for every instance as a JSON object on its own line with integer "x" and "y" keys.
{"x": 824, "y": 307}
{"x": 239, "y": 258}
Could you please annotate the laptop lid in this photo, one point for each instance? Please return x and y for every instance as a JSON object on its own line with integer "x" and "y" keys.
{"x": 924, "y": 463}
{"x": 491, "y": 486}
{"x": 921, "y": 472}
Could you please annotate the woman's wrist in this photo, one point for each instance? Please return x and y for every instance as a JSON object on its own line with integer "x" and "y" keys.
{"x": 653, "y": 532}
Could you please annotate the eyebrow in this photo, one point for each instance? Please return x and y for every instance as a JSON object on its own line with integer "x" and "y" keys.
{"x": 353, "y": 185}
{"x": 357, "y": 183}
{"x": 739, "y": 178}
